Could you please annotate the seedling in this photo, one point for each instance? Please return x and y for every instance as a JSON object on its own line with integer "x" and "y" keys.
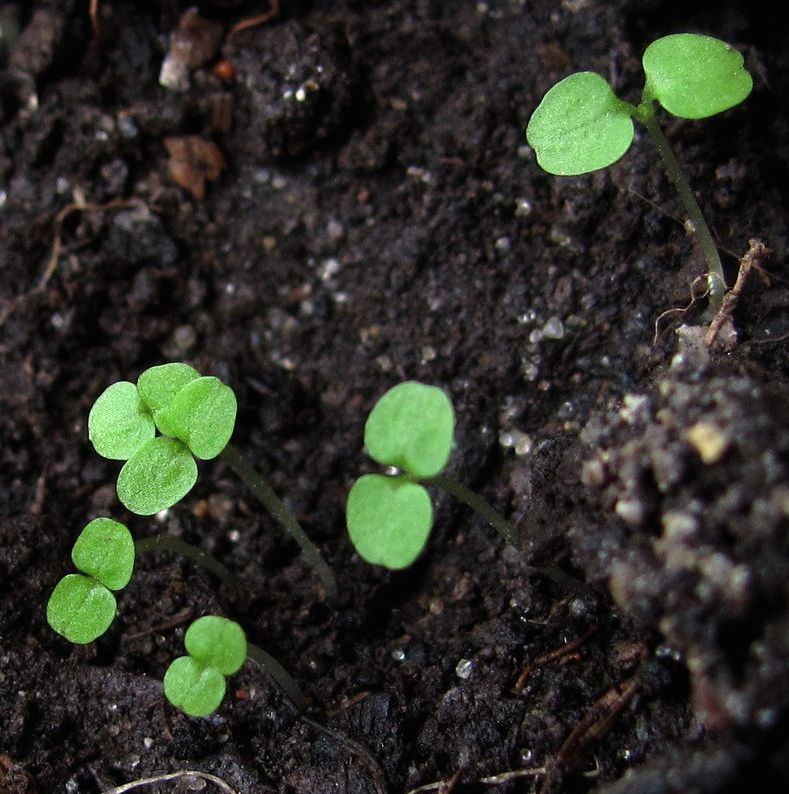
{"x": 582, "y": 126}
{"x": 195, "y": 417}
{"x": 389, "y": 517}
{"x": 217, "y": 648}
{"x": 82, "y": 606}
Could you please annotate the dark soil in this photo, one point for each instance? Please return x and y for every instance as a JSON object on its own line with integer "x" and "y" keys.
{"x": 350, "y": 203}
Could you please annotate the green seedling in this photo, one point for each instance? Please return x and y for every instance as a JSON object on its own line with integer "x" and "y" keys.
{"x": 82, "y": 606}
{"x": 582, "y": 126}
{"x": 389, "y": 517}
{"x": 194, "y": 417}
{"x": 217, "y": 648}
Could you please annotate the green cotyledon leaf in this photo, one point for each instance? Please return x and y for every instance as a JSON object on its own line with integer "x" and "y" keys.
{"x": 157, "y": 476}
{"x": 580, "y": 126}
{"x": 411, "y": 427}
{"x": 119, "y": 423}
{"x": 388, "y": 519}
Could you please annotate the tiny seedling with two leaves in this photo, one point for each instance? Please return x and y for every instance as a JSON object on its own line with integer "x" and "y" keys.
{"x": 82, "y": 605}
{"x": 217, "y": 648}
{"x": 581, "y": 125}
{"x": 389, "y": 516}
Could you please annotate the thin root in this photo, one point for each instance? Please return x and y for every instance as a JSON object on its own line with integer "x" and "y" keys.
{"x": 94, "y": 19}
{"x": 441, "y": 786}
{"x": 557, "y": 654}
{"x": 593, "y": 726}
{"x": 681, "y": 310}
{"x": 185, "y": 773}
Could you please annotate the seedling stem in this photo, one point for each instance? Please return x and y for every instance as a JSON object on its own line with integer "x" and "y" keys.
{"x": 277, "y": 673}
{"x": 716, "y": 282}
{"x": 477, "y": 504}
{"x": 197, "y": 556}
{"x": 282, "y": 515}
{"x": 508, "y": 533}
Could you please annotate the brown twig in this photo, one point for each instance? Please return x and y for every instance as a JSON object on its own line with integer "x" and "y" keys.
{"x": 94, "y": 19}
{"x": 184, "y": 616}
{"x": 565, "y": 650}
{"x": 253, "y": 22}
{"x": 594, "y": 725}
{"x": 752, "y": 259}
{"x": 346, "y": 704}
{"x": 51, "y": 264}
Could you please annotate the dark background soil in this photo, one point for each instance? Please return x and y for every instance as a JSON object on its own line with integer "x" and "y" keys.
{"x": 378, "y": 218}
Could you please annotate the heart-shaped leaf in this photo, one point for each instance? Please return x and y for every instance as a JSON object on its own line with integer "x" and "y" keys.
{"x": 119, "y": 423}
{"x": 193, "y": 687}
{"x": 411, "y": 427}
{"x": 158, "y": 385}
{"x": 105, "y": 550}
{"x": 80, "y": 608}
{"x": 695, "y": 76}
{"x": 157, "y": 476}
{"x": 202, "y": 415}
{"x": 389, "y": 519}
{"x": 580, "y": 126}
{"x": 218, "y": 642}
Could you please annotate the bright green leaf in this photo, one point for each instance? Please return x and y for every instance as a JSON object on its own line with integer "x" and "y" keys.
{"x": 217, "y": 642}
{"x": 158, "y": 385}
{"x": 202, "y": 415}
{"x": 80, "y": 608}
{"x": 695, "y": 76}
{"x": 119, "y": 423}
{"x": 389, "y": 519}
{"x": 580, "y": 126}
{"x": 193, "y": 687}
{"x": 411, "y": 427}
{"x": 105, "y": 550}
{"x": 157, "y": 476}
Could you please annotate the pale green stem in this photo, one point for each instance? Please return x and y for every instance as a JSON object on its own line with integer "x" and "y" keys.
{"x": 277, "y": 673}
{"x": 503, "y": 527}
{"x": 197, "y": 556}
{"x": 716, "y": 281}
{"x": 282, "y": 516}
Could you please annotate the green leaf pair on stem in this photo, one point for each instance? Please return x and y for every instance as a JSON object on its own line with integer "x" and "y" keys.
{"x": 582, "y": 126}
{"x": 195, "y": 416}
{"x": 216, "y": 648}
{"x": 389, "y": 517}
{"x": 82, "y": 606}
